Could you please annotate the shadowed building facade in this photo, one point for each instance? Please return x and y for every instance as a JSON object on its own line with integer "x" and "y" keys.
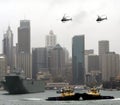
{"x": 57, "y": 61}
{"x": 39, "y": 61}
{"x": 3, "y": 69}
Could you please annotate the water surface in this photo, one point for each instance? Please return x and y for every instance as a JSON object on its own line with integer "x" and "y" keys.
{"x": 39, "y": 99}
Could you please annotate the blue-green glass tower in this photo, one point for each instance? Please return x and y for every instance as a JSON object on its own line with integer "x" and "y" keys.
{"x": 78, "y": 59}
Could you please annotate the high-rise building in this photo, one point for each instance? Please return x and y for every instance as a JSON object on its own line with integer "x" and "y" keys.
{"x": 103, "y": 47}
{"x": 39, "y": 61}
{"x": 8, "y": 47}
{"x": 57, "y": 61}
{"x": 78, "y": 48}
{"x": 50, "y": 43}
{"x": 24, "y": 36}
{"x": 50, "y": 39}
{"x": 23, "y": 56}
{"x": 110, "y": 66}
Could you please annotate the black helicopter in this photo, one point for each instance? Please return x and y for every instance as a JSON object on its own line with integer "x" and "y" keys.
{"x": 66, "y": 18}
{"x": 101, "y": 18}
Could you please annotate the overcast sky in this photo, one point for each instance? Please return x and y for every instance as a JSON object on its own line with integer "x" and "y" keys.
{"x": 45, "y": 15}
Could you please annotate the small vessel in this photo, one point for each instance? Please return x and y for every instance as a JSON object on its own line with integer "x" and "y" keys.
{"x": 94, "y": 94}
{"x": 67, "y": 93}
{"x": 17, "y": 83}
{"x": 94, "y": 91}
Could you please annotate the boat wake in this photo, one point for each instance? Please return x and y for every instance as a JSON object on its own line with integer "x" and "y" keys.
{"x": 32, "y": 99}
{"x": 116, "y": 99}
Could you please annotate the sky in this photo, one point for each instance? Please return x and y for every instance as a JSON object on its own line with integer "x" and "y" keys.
{"x": 46, "y": 15}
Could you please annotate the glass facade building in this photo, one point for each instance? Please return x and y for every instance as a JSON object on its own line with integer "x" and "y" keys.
{"x": 78, "y": 60}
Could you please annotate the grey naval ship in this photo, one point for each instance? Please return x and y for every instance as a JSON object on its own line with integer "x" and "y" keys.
{"x": 17, "y": 83}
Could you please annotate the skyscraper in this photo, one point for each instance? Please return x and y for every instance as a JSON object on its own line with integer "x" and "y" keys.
{"x": 23, "y": 56}
{"x": 50, "y": 39}
{"x": 78, "y": 59}
{"x": 24, "y": 36}
{"x": 50, "y": 43}
{"x": 103, "y": 47}
{"x": 8, "y": 47}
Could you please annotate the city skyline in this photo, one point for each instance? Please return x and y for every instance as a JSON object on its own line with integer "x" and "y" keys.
{"x": 46, "y": 15}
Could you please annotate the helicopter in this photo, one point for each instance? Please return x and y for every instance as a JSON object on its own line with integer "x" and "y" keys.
{"x": 101, "y": 18}
{"x": 65, "y": 18}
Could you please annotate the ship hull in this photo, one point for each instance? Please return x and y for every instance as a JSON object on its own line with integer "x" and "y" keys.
{"x": 86, "y": 96}
{"x": 17, "y": 85}
{"x": 79, "y": 96}
{"x": 74, "y": 97}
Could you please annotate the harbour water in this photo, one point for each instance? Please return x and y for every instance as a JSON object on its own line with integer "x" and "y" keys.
{"x": 39, "y": 99}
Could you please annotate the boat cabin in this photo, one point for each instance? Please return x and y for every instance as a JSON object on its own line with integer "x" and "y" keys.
{"x": 67, "y": 91}
{"x": 93, "y": 91}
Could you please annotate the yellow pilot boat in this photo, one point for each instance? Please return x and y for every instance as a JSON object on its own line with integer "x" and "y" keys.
{"x": 93, "y": 91}
{"x": 68, "y": 94}
{"x": 67, "y": 91}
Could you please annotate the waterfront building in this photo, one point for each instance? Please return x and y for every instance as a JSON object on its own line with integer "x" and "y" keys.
{"x": 78, "y": 49}
{"x": 3, "y": 67}
{"x": 93, "y": 73}
{"x": 103, "y": 49}
{"x": 110, "y": 66}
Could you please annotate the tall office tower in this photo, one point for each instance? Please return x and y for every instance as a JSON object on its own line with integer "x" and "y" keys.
{"x": 103, "y": 47}
{"x": 8, "y": 47}
{"x": 78, "y": 59}
{"x": 39, "y": 61}
{"x": 23, "y": 56}
{"x": 24, "y": 36}
{"x": 50, "y": 40}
